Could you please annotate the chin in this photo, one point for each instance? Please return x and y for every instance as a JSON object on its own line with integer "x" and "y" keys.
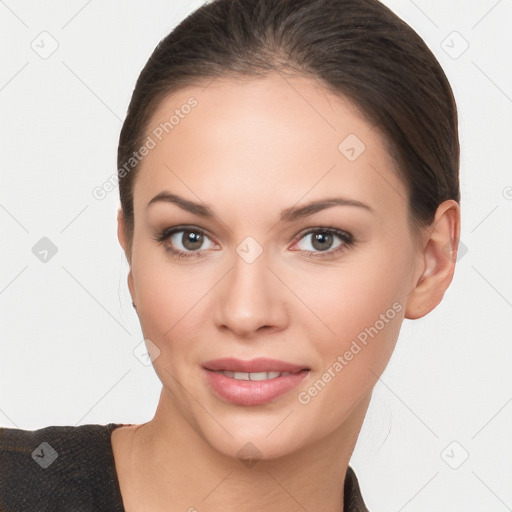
{"x": 250, "y": 448}
{"x": 270, "y": 433}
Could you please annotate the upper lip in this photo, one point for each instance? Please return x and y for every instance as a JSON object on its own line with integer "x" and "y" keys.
{"x": 260, "y": 364}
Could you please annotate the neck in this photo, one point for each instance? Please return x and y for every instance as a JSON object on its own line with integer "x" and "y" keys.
{"x": 168, "y": 462}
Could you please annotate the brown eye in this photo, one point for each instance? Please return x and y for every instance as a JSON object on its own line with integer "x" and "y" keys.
{"x": 191, "y": 240}
{"x": 184, "y": 241}
{"x": 324, "y": 241}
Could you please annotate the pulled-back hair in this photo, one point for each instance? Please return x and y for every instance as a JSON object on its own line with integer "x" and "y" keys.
{"x": 358, "y": 49}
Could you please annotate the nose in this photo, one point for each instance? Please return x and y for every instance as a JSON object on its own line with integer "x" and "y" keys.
{"x": 251, "y": 298}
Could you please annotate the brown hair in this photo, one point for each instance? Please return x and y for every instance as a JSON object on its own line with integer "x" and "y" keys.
{"x": 356, "y": 48}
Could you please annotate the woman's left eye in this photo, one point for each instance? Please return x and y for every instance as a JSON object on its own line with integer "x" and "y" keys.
{"x": 322, "y": 239}
{"x": 191, "y": 240}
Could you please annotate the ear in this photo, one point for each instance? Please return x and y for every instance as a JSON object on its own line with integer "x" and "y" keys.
{"x": 437, "y": 261}
{"x": 121, "y": 236}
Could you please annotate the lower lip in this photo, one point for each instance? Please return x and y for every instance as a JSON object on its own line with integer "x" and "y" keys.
{"x": 248, "y": 392}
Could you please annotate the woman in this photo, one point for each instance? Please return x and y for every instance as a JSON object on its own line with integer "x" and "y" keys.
{"x": 288, "y": 177}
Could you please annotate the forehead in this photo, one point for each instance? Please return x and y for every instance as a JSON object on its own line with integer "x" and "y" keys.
{"x": 254, "y": 137}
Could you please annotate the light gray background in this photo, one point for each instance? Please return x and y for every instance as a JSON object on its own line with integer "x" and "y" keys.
{"x": 68, "y": 330}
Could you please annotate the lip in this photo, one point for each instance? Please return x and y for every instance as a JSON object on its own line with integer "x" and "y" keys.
{"x": 260, "y": 364}
{"x": 247, "y": 392}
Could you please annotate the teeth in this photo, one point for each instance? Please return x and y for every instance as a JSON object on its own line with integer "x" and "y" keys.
{"x": 263, "y": 375}
{"x": 253, "y": 375}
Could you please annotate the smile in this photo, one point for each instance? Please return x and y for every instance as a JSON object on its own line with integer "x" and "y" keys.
{"x": 255, "y": 376}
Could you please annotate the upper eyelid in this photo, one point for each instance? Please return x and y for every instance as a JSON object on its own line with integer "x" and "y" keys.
{"x": 172, "y": 231}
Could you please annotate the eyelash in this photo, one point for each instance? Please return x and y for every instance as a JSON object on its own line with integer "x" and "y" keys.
{"x": 347, "y": 239}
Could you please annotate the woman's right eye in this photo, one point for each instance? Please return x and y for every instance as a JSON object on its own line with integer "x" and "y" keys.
{"x": 185, "y": 242}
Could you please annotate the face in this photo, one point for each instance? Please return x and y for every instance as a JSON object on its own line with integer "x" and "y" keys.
{"x": 250, "y": 272}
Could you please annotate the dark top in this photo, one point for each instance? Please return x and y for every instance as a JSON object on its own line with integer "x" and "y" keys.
{"x": 72, "y": 469}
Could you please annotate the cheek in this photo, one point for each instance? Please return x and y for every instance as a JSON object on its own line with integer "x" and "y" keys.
{"x": 363, "y": 309}
{"x": 173, "y": 300}
{"x": 354, "y": 296}
{"x": 169, "y": 306}
{"x": 350, "y": 362}
{"x": 164, "y": 292}
{"x": 364, "y": 327}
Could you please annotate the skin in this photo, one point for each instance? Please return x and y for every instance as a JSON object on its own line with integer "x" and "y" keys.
{"x": 248, "y": 150}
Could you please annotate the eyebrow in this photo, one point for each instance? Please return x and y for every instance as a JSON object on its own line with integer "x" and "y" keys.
{"x": 288, "y": 214}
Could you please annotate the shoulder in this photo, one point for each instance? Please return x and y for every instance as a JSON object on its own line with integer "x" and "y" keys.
{"x": 352, "y": 498}
{"x": 55, "y": 465}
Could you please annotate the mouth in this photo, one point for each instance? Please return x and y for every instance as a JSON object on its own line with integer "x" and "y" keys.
{"x": 253, "y": 382}
{"x": 244, "y": 370}
{"x": 254, "y": 376}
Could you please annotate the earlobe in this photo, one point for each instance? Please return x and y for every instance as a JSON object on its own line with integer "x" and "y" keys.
{"x": 437, "y": 261}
